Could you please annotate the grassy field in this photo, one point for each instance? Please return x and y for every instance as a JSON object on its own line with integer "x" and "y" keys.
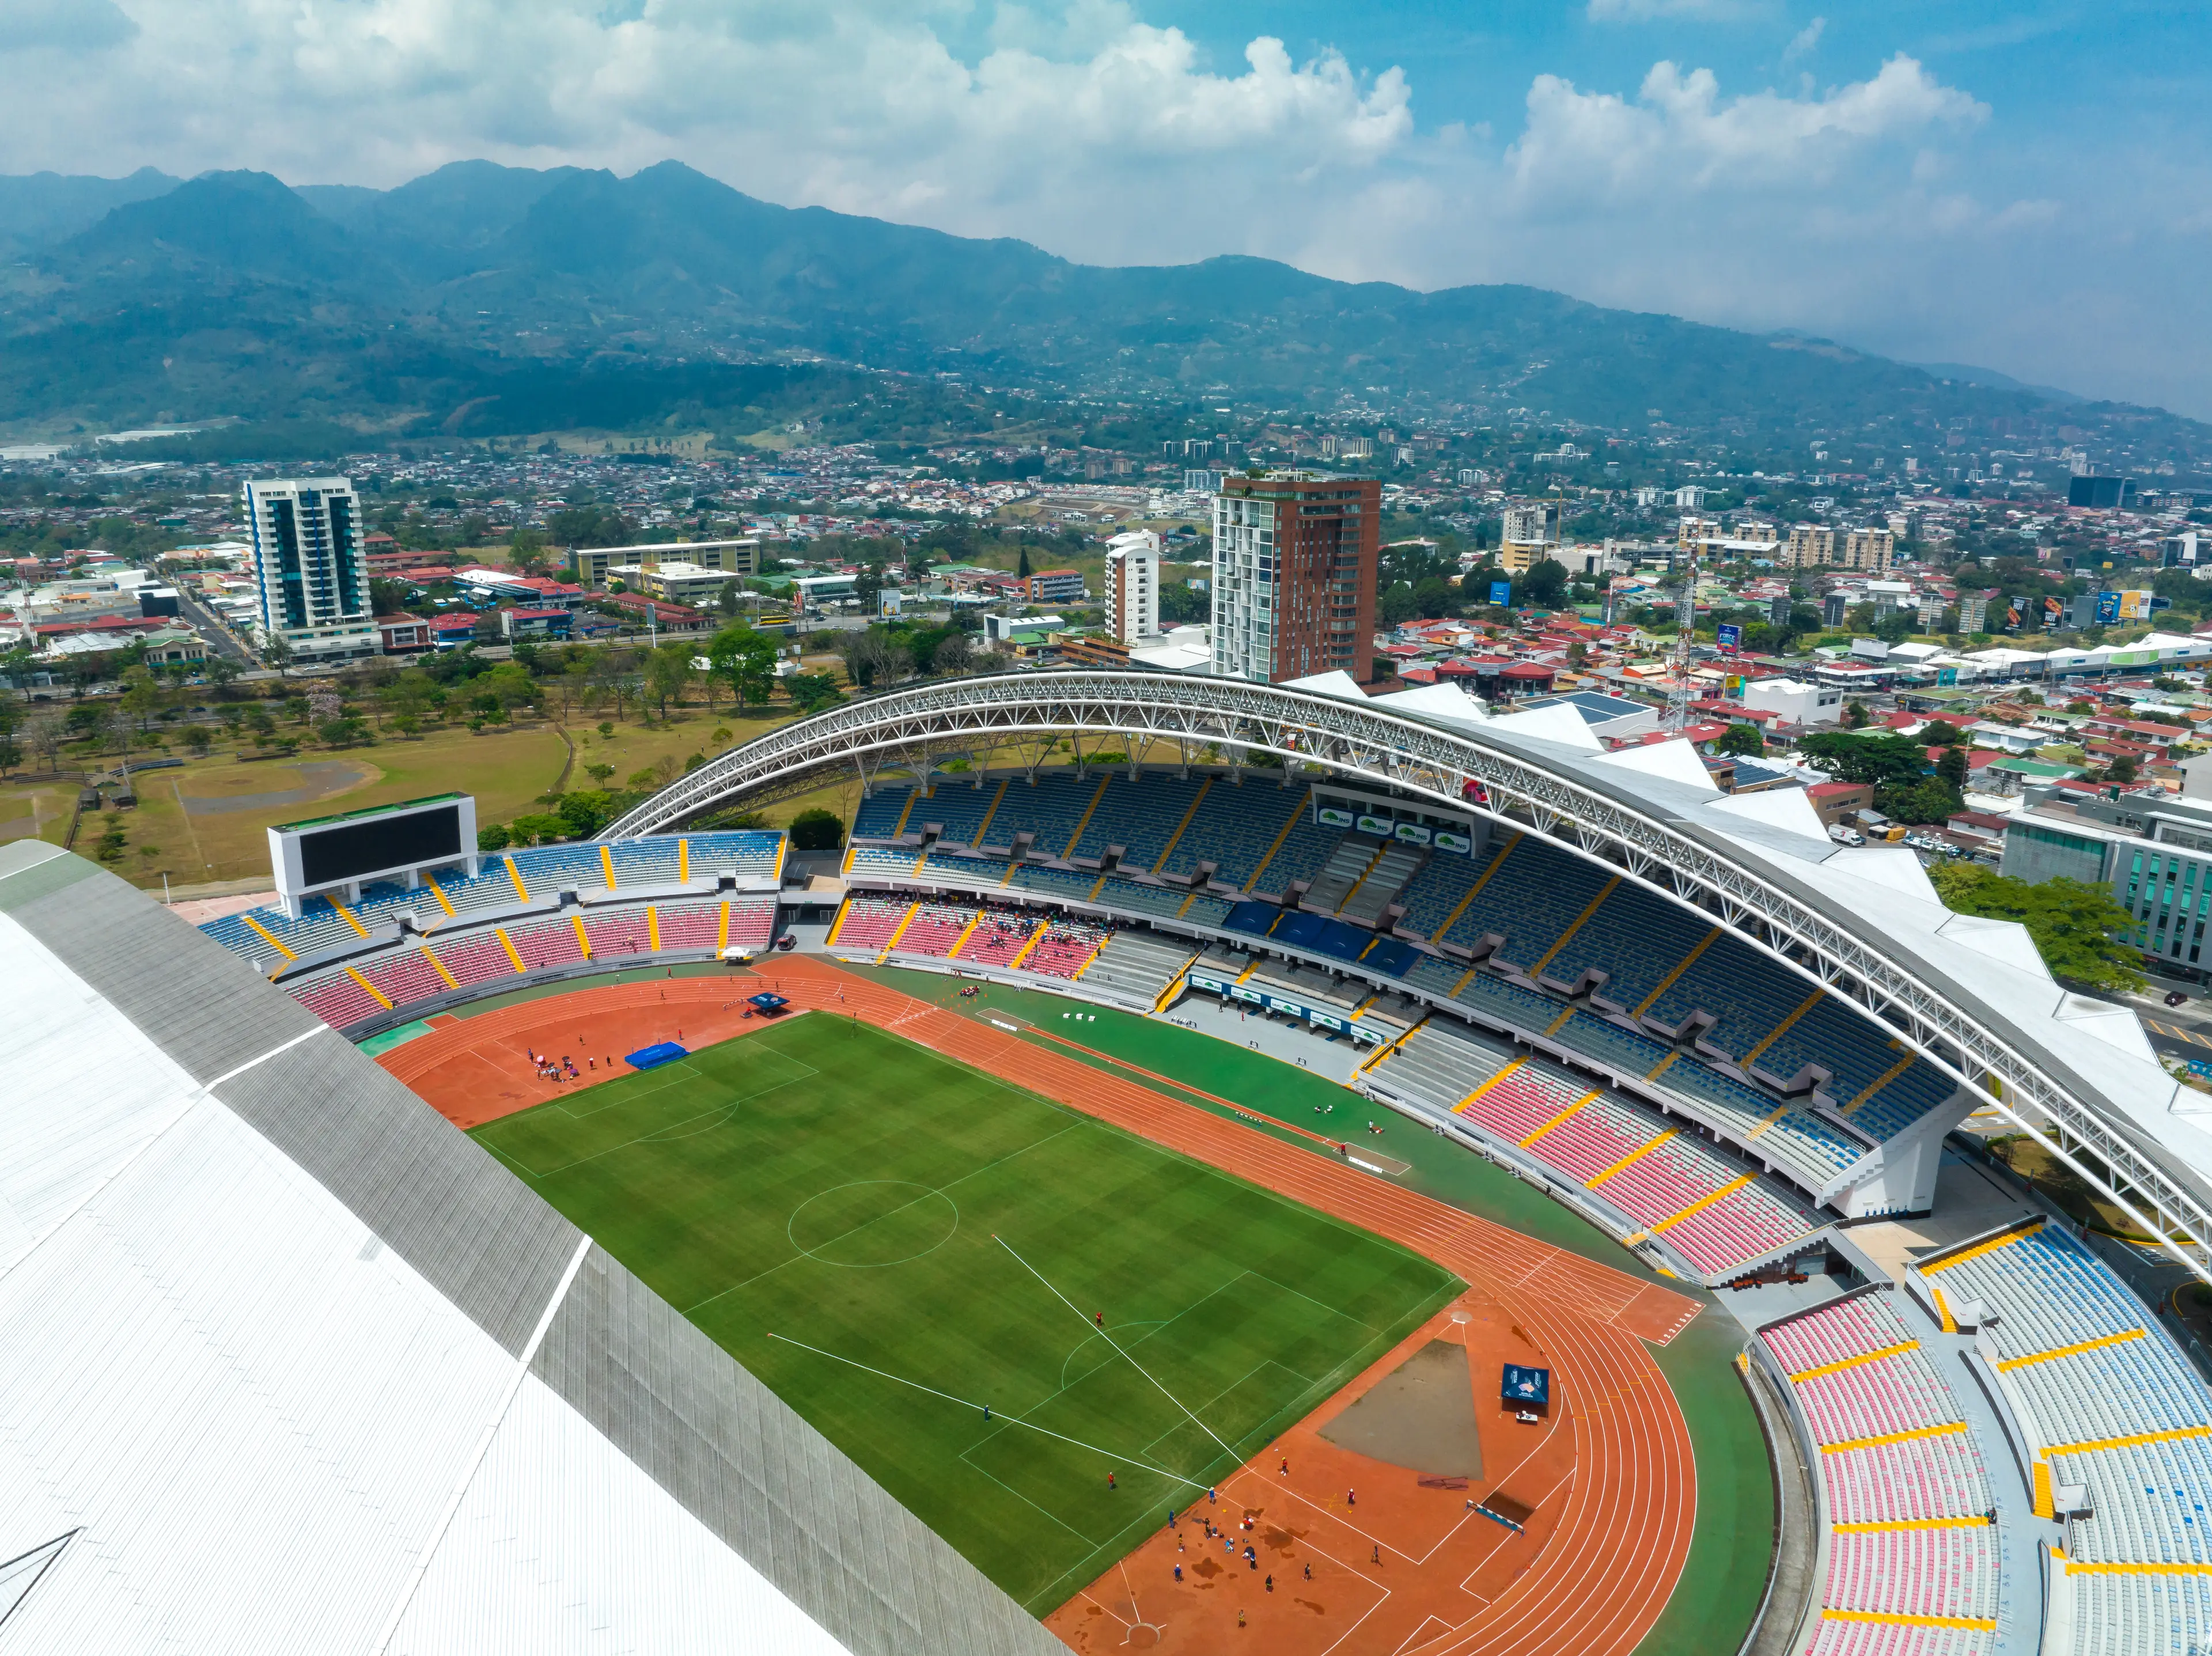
{"x": 225, "y": 837}
{"x": 924, "y": 1240}
{"x": 1733, "y": 1539}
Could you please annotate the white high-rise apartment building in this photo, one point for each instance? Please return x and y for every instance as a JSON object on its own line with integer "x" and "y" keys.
{"x": 311, "y": 576}
{"x": 1133, "y": 586}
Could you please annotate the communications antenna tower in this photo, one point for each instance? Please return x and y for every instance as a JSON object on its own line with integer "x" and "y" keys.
{"x": 1686, "y": 626}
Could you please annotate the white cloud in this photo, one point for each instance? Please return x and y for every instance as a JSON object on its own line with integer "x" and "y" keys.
{"x": 1804, "y": 41}
{"x": 1081, "y": 109}
{"x": 1680, "y": 132}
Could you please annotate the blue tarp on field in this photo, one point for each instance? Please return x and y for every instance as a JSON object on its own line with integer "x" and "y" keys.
{"x": 1525, "y": 1385}
{"x": 651, "y": 1058}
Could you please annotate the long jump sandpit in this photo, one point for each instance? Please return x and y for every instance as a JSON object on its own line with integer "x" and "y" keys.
{"x": 1567, "y": 1542}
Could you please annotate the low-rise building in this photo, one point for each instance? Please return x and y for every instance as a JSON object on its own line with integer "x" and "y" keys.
{"x": 535, "y": 624}
{"x": 405, "y": 634}
{"x": 595, "y": 565}
{"x": 674, "y": 582}
{"x": 1794, "y": 701}
{"x": 1054, "y": 586}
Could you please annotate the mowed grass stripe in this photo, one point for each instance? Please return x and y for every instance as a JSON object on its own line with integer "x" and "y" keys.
{"x": 840, "y": 1186}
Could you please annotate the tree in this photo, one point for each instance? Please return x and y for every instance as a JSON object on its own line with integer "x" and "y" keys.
{"x": 1743, "y": 739}
{"x": 537, "y": 828}
{"x": 1398, "y": 606}
{"x": 1886, "y": 760}
{"x": 142, "y": 696}
{"x": 1855, "y": 715}
{"x": 815, "y": 829}
{"x": 599, "y": 773}
{"x": 953, "y": 654}
{"x": 745, "y": 661}
{"x": 2077, "y": 927}
{"x": 276, "y": 652}
{"x": 492, "y": 836}
{"x": 199, "y": 739}
{"x": 1952, "y": 767}
{"x": 1544, "y": 587}
{"x": 668, "y": 673}
{"x": 810, "y": 692}
{"x": 1021, "y": 564}
{"x": 732, "y": 600}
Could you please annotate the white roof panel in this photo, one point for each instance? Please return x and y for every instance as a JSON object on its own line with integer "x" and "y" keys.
{"x": 262, "y": 1428}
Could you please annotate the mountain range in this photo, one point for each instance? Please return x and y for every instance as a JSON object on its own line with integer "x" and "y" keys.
{"x": 483, "y": 300}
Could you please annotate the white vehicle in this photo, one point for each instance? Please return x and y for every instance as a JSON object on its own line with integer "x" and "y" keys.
{"x": 1846, "y": 836}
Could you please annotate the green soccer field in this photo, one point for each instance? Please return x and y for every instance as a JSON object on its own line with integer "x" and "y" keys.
{"x": 943, "y": 1241}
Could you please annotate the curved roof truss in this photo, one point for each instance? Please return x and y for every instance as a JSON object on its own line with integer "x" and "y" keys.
{"x": 1638, "y": 828}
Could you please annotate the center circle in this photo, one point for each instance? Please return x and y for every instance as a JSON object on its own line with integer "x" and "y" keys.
{"x": 872, "y": 1223}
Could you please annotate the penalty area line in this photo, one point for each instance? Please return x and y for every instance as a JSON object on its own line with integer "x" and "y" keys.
{"x": 1011, "y": 1420}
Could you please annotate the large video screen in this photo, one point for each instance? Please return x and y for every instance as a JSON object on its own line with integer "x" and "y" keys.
{"x": 353, "y": 849}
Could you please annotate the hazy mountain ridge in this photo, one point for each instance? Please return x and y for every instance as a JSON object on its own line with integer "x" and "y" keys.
{"x": 232, "y": 294}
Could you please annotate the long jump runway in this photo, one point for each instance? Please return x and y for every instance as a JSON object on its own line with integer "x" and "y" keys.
{"x": 1608, "y": 1482}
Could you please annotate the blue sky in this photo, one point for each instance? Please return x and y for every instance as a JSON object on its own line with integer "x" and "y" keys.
{"x": 2025, "y": 188}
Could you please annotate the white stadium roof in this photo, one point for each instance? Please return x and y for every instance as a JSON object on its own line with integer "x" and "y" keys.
{"x": 288, "y": 1364}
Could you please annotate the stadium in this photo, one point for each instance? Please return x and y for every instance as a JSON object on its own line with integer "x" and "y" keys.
{"x": 1208, "y": 1161}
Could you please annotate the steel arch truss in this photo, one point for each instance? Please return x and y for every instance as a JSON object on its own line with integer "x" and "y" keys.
{"x": 910, "y": 727}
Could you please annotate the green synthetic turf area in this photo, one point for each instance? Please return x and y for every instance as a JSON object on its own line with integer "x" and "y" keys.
{"x": 851, "y": 1193}
{"x": 1733, "y": 1543}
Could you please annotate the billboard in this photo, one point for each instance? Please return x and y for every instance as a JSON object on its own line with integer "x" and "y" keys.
{"x": 1731, "y": 636}
{"x": 1451, "y": 839}
{"x": 1413, "y": 833}
{"x": 1380, "y": 825}
{"x": 1333, "y": 816}
{"x": 379, "y": 842}
{"x": 2108, "y": 608}
{"x": 1501, "y": 592}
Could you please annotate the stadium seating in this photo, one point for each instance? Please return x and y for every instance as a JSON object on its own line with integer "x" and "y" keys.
{"x": 1635, "y": 937}
{"x": 1536, "y": 894}
{"x": 1138, "y": 965}
{"x": 880, "y": 812}
{"x": 1240, "y": 825}
{"x": 2107, "y": 1403}
{"x": 1711, "y": 1210}
{"x": 752, "y": 922}
{"x": 1049, "y": 810}
{"x": 623, "y": 931}
{"x": 882, "y": 861}
{"x": 543, "y": 870}
{"x": 1065, "y": 949}
{"x": 403, "y": 976}
{"x": 474, "y": 959}
{"x": 934, "y": 929}
{"x": 546, "y": 943}
{"x": 1140, "y": 816}
{"x": 956, "y": 806}
{"x": 1895, "y": 1451}
{"x": 336, "y": 999}
{"x": 999, "y": 939}
{"x": 868, "y": 923}
{"x": 688, "y": 925}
